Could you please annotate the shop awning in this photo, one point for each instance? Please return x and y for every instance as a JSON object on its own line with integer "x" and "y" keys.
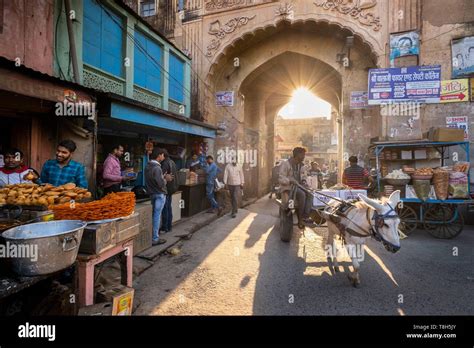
{"x": 132, "y": 113}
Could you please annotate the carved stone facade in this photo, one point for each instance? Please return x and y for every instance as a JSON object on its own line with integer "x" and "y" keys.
{"x": 359, "y": 10}
{"x": 213, "y": 5}
{"x": 220, "y": 31}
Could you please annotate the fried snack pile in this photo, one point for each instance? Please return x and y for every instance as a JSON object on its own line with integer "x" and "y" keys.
{"x": 41, "y": 195}
{"x": 112, "y": 206}
{"x": 424, "y": 171}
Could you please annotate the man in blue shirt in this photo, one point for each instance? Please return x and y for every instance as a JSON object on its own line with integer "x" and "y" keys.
{"x": 212, "y": 170}
{"x": 63, "y": 169}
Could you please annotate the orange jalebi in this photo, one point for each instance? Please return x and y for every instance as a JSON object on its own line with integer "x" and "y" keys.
{"x": 114, "y": 205}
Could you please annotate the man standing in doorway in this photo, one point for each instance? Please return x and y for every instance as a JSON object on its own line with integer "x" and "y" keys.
{"x": 234, "y": 181}
{"x": 63, "y": 169}
{"x": 355, "y": 176}
{"x": 155, "y": 183}
{"x": 169, "y": 167}
{"x": 111, "y": 176}
{"x": 212, "y": 170}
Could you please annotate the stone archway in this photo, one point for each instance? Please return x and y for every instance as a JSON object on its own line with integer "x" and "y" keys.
{"x": 272, "y": 63}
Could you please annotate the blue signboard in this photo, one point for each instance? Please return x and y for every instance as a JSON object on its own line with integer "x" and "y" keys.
{"x": 416, "y": 83}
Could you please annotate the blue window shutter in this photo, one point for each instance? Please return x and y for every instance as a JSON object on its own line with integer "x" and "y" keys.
{"x": 154, "y": 67}
{"x": 102, "y": 38}
{"x": 139, "y": 65}
{"x": 91, "y": 33}
{"x": 148, "y": 63}
{"x": 176, "y": 80}
{"x": 112, "y": 38}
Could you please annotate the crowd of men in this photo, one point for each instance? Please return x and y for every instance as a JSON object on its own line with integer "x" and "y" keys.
{"x": 161, "y": 179}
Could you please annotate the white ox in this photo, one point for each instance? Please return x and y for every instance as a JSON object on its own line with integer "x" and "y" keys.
{"x": 367, "y": 218}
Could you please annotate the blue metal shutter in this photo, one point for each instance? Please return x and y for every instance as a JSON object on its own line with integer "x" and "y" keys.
{"x": 148, "y": 63}
{"x": 112, "y": 43}
{"x": 91, "y": 33}
{"x": 176, "y": 86}
{"x": 102, "y": 38}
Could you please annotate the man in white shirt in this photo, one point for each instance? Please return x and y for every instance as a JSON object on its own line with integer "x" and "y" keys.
{"x": 234, "y": 181}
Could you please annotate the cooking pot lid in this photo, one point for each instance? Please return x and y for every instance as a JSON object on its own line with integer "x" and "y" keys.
{"x": 43, "y": 229}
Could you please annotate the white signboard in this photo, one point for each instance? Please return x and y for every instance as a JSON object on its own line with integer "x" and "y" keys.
{"x": 460, "y": 122}
{"x": 225, "y": 98}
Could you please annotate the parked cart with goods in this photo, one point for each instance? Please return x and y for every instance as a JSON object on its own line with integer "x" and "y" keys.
{"x": 434, "y": 179}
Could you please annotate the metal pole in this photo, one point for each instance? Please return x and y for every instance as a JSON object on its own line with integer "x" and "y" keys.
{"x": 72, "y": 41}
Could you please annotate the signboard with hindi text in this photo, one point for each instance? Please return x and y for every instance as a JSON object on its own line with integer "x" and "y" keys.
{"x": 459, "y": 122}
{"x": 420, "y": 84}
{"x": 454, "y": 91}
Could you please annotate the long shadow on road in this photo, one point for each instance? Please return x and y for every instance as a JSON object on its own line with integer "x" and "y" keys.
{"x": 295, "y": 279}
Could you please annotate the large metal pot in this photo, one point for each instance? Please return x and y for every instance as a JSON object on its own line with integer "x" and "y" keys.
{"x": 49, "y": 246}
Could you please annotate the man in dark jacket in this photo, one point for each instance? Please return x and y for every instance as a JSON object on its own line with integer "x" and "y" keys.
{"x": 169, "y": 167}
{"x": 155, "y": 182}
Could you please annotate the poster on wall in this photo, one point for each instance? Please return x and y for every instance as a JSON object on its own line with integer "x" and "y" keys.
{"x": 420, "y": 84}
{"x": 459, "y": 122}
{"x": 472, "y": 89}
{"x": 359, "y": 100}
{"x": 404, "y": 44}
{"x": 454, "y": 91}
{"x": 225, "y": 98}
{"x": 463, "y": 56}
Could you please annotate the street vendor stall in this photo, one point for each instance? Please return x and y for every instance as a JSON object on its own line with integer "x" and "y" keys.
{"x": 75, "y": 233}
{"x": 434, "y": 180}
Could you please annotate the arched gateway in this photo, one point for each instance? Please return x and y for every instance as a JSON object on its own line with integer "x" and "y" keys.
{"x": 263, "y": 66}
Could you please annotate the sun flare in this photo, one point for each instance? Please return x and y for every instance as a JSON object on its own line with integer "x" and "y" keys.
{"x": 304, "y": 104}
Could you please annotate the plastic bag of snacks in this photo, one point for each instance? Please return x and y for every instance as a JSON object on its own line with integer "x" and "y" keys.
{"x": 422, "y": 189}
{"x": 458, "y": 185}
{"x": 462, "y": 167}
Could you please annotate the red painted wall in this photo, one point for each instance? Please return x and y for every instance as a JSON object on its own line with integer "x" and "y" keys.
{"x": 27, "y": 33}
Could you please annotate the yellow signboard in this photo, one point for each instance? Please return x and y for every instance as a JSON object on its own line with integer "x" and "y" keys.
{"x": 454, "y": 91}
{"x": 472, "y": 89}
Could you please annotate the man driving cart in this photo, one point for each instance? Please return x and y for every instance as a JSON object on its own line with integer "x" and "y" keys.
{"x": 290, "y": 174}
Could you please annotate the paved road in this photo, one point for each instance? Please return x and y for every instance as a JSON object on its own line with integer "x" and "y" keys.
{"x": 240, "y": 267}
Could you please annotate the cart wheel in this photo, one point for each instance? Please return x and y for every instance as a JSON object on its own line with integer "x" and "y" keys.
{"x": 286, "y": 225}
{"x": 317, "y": 217}
{"x": 443, "y": 221}
{"x": 408, "y": 219}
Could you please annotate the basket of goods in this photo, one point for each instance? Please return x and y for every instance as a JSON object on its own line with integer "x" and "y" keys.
{"x": 33, "y": 195}
{"x": 408, "y": 170}
{"x": 114, "y": 205}
{"x": 397, "y": 178}
{"x": 441, "y": 183}
{"x": 422, "y": 174}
